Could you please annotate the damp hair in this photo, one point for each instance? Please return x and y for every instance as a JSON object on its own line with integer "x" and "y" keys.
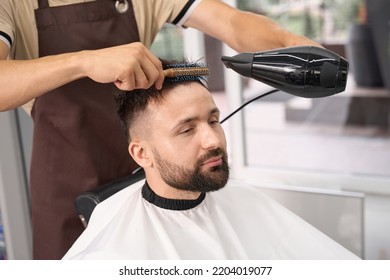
{"x": 132, "y": 106}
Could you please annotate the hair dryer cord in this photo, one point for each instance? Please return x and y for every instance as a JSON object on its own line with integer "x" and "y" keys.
{"x": 248, "y": 102}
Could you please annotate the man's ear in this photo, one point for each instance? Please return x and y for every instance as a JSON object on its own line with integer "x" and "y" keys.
{"x": 140, "y": 153}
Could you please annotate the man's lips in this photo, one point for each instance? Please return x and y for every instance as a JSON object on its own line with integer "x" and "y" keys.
{"x": 214, "y": 161}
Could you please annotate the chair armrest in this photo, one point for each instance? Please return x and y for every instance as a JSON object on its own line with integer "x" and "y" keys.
{"x": 86, "y": 202}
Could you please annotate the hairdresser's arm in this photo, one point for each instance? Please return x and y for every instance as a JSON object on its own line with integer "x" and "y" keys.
{"x": 128, "y": 66}
{"x": 242, "y": 31}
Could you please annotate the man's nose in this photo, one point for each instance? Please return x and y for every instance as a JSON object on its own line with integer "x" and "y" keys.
{"x": 210, "y": 138}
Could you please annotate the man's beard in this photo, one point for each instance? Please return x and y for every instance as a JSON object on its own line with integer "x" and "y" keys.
{"x": 195, "y": 180}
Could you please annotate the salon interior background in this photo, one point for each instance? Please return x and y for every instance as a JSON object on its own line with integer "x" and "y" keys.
{"x": 328, "y": 160}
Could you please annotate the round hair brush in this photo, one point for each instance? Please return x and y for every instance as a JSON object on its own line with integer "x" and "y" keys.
{"x": 187, "y": 72}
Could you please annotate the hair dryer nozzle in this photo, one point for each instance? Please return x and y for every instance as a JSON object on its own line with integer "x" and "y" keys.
{"x": 304, "y": 71}
{"x": 241, "y": 63}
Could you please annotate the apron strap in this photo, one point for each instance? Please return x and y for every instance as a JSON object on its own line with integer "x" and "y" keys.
{"x": 43, "y": 4}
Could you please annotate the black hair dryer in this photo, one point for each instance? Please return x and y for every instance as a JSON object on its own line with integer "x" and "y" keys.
{"x": 304, "y": 71}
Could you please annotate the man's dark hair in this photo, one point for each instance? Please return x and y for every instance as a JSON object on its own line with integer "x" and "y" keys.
{"x": 133, "y": 104}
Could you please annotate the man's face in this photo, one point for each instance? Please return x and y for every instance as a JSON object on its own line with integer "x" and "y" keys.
{"x": 187, "y": 140}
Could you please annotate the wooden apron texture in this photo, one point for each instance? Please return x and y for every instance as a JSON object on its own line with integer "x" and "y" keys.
{"x": 78, "y": 142}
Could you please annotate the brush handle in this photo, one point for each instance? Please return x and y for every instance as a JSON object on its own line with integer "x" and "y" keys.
{"x": 197, "y": 71}
{"x": 169, "y": 73}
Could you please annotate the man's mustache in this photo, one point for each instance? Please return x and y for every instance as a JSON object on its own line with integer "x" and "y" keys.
{"x": 211, "y": 154}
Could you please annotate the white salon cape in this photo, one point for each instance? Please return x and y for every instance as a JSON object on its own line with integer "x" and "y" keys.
{"x": 236, "y": 222}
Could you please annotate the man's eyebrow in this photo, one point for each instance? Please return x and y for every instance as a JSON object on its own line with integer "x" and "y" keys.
{"x": 214, "y": 111}
{"x": 191, "y": 119}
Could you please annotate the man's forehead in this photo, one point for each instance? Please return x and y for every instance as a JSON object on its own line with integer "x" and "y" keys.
{"x": 185, "y": 95}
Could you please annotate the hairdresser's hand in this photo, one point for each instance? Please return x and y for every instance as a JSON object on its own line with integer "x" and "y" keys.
{"x": 129, "y": 66}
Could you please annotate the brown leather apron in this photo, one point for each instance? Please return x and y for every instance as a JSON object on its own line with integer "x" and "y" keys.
{"x": 78, "y": 143}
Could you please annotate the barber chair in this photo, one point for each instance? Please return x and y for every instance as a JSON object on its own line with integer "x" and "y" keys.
{"x": 86, "y": 202}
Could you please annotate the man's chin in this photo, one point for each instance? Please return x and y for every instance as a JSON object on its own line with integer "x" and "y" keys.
{"x": 217, "y": 187}
{"x": 217, "y": 182}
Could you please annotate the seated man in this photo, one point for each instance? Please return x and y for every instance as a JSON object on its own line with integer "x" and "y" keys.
{"x": 187, "y": 208}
